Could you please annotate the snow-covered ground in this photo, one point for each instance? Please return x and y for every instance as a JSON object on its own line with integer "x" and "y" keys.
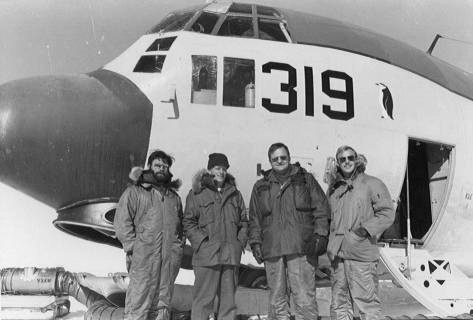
{"x": 396, "y": 302}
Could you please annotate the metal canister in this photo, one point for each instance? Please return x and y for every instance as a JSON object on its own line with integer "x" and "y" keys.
{"x": 250, "y": 95}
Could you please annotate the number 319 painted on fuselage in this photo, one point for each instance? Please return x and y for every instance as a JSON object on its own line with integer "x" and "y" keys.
{"x": 291, "y": 84}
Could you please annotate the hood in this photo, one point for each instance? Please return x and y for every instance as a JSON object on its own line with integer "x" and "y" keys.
{"x": 337, "y": 179}
{"x": 203, "y": 179}
{"x": 144, "y": 178}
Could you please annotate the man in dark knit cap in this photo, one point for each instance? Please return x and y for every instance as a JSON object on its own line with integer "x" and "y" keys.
{"x": 288, "y": 230}
{"x": 215, "y": 220}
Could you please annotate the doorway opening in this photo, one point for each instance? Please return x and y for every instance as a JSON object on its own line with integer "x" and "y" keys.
{"x": 426, "y": 180}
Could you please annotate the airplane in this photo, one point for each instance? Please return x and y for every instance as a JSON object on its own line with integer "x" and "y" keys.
{"x": 235, "y": 77}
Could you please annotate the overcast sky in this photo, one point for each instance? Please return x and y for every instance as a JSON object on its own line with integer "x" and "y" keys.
{"x": 40, "y": 37}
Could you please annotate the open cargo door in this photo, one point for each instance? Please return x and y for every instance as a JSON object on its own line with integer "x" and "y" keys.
{"x": 433, "y": 281}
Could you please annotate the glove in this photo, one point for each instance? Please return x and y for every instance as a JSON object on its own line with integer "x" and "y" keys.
{"x": 257, "y": 252}
{"x": 316, "y": 246}
{"x": 361, "y": 232}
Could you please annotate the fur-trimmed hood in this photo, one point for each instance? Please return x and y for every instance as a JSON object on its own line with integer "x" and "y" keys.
{"x": 145, "y": 178}
{"x": 203, "y": 179}
{"x": 337, "y": 178}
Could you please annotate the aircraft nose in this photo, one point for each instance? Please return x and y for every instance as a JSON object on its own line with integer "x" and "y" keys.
{"x": 70, "y": 138}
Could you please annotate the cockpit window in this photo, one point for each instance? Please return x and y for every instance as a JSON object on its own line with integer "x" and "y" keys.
{"x": 237, "y": 27}
{"x": 205, "y": 23}
{"x": 271, "y": 30}
{"x": 268, "y": 11}
{"x": 150, "y": 64}
{"x": 238, "y": 82}
{"x": 173, "y": 22}
{"x": 240, "y": 8}
{"x": 204, "y": 80}
{"x": 162, "y": 44}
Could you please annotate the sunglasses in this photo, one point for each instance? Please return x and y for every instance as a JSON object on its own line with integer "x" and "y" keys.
{"x": 280, "y": 158}
{"x": 343, "y": 159}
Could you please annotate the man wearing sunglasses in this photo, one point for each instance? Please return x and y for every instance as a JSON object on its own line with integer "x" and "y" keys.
{"x": 361, "y": 210}
{"x": 148, "y": 223}
{"x": 288, "y": 230}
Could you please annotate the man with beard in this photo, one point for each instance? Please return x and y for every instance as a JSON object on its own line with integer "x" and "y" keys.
{"x": 215, "y": 221}
{"x": 148, "y": 223}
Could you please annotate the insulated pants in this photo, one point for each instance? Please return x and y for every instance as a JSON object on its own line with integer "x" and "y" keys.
{"x": 145, "y": 277}
{"x": 292, "y": 275}
{"x": 216, "y": 281}
{"x": 355, "y": 282}
{"x": 152, "y": 273}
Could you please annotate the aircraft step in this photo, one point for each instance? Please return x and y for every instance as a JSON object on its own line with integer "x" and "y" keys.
{"x": 435, "y": 282}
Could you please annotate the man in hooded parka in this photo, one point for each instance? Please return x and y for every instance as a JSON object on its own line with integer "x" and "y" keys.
{"x": 361, "y": 210}
{"x": 148, "y": 223}
{"x": 215, "y": 221}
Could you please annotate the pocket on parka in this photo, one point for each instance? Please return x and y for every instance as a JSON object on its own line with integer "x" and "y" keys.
{"x": 302, "y": 198}
{"x": 206, "y": 209}
{"x": 149, "y": 226}
{"x": 264, "y": 202}
{"x": 206, "y": 217}
{"x": 358, "y": 248}
{"x": 235, "y": 212}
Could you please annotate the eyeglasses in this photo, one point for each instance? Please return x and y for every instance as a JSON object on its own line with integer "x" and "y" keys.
{"x": 343, "y": 159}
{"x": 280, "y": 158}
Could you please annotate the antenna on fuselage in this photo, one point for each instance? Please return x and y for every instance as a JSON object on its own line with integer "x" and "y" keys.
{"x": 438, "y": 36}
{"x": 432, "y": 46}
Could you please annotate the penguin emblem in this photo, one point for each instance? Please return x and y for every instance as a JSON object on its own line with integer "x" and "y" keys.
{"x": 385, "y": 100}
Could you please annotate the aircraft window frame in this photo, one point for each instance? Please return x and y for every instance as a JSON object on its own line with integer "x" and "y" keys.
{"x": 204, "y": 91}
{"x": 150, "y": 63}
{"x": 242, "y": 11}
{"x": 161, "y": 44}
{"x": 188, "y": 15}
{"x": 255, "y": 16}
{"x": 201, "y": 15}
{"x": 281, "y": 28}
{"x": 228, "y": 17}
{"x": 218, "y": 25}
{"x": 276, "y": 13}
{"x": 236, "y": 86}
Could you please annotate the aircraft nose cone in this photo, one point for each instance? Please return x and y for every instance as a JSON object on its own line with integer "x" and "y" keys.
{"x": 70, "y": 138}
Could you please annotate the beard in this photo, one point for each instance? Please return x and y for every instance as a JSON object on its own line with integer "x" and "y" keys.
{"x": 162, "y": 177}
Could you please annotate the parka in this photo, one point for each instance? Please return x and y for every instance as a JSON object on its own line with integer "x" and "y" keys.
{"x": 283, "y": 218}
{"x": 215, "y": 222}
{"x": 137, "y": 201}
{"x": 362, "y": 201}
{"x": 148, "y": 223}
